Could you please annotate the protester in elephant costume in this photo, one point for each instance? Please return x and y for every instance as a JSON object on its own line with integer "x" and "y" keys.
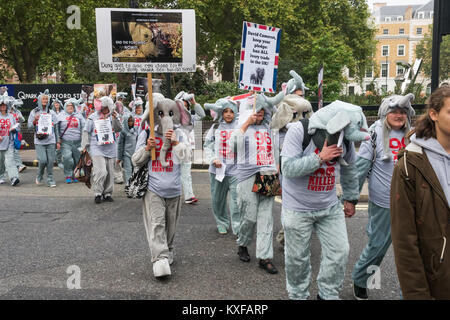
{"x": 309, "y": 161}
{"x": 99, "y": 136}
{"x": 42, "y": 120}
{"x": 197, "y": 113}
{"x": 291, "y": 109}
{"x": 219, "y": 154}
{"x": 127, "y": 145}
{"x": 8, "y": 127}
{"x": 17, "y": 114}
{"x": 162, "y": 201}
{"x": 257, "y": 160}
{"x": 70, "y": 124}
{"x": 376, "y": 160}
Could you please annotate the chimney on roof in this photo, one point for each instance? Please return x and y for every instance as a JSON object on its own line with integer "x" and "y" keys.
{"x": 378, "y": 5}
{"x": 408, "y": 13}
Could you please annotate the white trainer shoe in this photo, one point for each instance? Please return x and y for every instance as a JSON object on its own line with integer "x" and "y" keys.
{"x": 161, "y": 268}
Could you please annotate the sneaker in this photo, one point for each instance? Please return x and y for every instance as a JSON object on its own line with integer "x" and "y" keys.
{"x": 222, "y": 229}
{"x": 195, "y": 199}
{"x": 61, "y": 166}
{"x": 98, "y": 199}
{"x": 69, "y": 180}
{"x": 22, "y": 168}
{"x": 360, "y": 293}
{"x": 243, "y": 254}
{"x": 52, "y": 185}
{"x": 108, "y": 199}
{"x": 38, "y": 182}
{"x": 15, "y": 182}
{"x": 268, "y": 266}
{"x": 161, "y": 268}
{"x": 74, "y": 180}
{"x": 2, "y": 181}
{"x": 190, "y": 201}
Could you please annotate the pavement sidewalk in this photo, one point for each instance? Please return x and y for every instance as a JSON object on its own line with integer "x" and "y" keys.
{"x": 29, "y": 159}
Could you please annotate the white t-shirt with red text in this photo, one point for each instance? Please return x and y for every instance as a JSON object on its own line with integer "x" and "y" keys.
{"x": 381, "y": 175}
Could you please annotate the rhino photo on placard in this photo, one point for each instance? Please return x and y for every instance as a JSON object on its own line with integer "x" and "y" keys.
{"x": 146, "y": 36}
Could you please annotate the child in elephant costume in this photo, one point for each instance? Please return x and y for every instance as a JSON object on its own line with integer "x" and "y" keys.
{"x": 127, "y": 145}
{"x": 8, "y": 127}
{"x": 197, "y": 113}
{"x": 309, "y": 196}
{"x": 162, "y": 201}
{"x": 44, "y": 141}
{"x": 70, "y": 125}
{"x": 379, "y": 156}
{"x": 219, "y": 153}
{"x": 57, "y": 109}
{"x": 102, "y": 147}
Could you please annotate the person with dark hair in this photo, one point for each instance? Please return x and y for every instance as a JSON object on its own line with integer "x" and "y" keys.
{"x": 420, "y": 195}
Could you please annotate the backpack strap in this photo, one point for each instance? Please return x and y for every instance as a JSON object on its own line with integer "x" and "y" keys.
{"x": 306, "y": 135}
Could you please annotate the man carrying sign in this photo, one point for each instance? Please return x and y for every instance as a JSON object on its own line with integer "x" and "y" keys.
{"x": 99, "y": 136}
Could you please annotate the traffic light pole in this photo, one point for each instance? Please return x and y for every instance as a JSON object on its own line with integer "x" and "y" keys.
{"x": 437, "y": 38}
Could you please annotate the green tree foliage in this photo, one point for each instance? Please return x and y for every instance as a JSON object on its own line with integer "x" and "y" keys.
{"x": 35, "y": 38}
{"x": 424, "y": 50}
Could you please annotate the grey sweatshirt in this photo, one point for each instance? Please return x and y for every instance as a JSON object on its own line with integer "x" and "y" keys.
{"x": 439, "y": 160}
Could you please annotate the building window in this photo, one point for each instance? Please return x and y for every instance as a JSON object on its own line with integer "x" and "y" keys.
{"x": 401, "y": 50}
{"x": 351, "y": 90}
{"x": 369, "y": 87}
{"x": 401, "y": 31}
{"x": 384, "y": 70}
{"x": 385, "y": 51}
{"x": 419, "y": 31}
{"x": 400, "y": 70}
{"x": 421, "y": 15}
{"x": 385, "y": 31}
{"x": 387, "y": 19}
{"x": 399, "y": 18}
{"x": 384, "y": 88}
{"x": 369, "y": 73}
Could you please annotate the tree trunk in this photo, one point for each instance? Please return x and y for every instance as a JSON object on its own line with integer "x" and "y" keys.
{"x": 228, "y": 68}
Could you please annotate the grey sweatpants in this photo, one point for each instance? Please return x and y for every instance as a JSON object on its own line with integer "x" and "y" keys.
{"x": 160, "y": 221}
{"x": 102, "y": 176}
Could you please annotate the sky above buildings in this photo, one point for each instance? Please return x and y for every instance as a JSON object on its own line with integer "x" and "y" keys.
{"x": 397, "y": 2}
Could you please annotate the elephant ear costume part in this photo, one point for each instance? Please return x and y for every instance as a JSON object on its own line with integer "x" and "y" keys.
{"x": 8, "y": 101}
{"x": 336, "y": 119}
{"x": 295, "y": 83}
{"x": 290, "y": 110}
{"x": 220, "y": 105}
{"x": 72, "y": 101}
{"x": 388, "y": 105}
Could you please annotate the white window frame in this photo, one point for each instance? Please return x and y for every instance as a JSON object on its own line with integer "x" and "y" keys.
{"x": 431, "y": 14}
{"x": 387, "y": 69}
{"x": 398, "y": 50}
{"x": 421, "y": 15}
{"x": 399, "y": 18}
{"x": 387, "y": 31}
{"x": 400, "y": 30}
{"x": 384, "y": 86}
{"x": 398, "y": 73}
{"x": 382, "y": 51}
{"x": 421, "y": 30}
{"x": 387, "y": 19}
{"x": 371, "y": 73}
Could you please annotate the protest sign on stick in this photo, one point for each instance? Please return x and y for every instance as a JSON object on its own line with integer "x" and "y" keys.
{"x": 146, "y": 41}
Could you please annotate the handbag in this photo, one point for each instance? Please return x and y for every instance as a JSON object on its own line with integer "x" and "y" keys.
{"x": 83, "y": 170}
{"x": 267, "y": 185}
{"x": 138, "y": 183}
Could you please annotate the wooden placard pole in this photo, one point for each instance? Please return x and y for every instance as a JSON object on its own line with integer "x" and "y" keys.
{"x": 254, "y": 104}
{"x": 151, "y": 116}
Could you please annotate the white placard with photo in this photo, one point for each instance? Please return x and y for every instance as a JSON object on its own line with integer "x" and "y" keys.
{"x": 45, "y": 124}
{"x": 103, "y": 130}
{"x": 146, "y": 40}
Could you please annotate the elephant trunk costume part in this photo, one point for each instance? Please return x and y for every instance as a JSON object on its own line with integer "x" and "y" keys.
{"x": 388, "y": 105}
{"x": 169, "y": 114}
